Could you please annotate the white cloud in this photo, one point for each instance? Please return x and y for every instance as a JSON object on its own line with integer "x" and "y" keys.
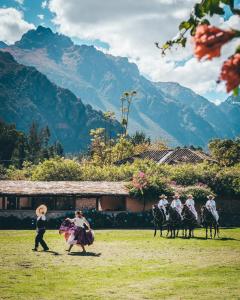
{"x": 132, "y": 27}
{"x": 44, "y": 4}
{"x": 41, "y": 17}
{"x": 12, "y": 25}
{"x": 19, "y": 1}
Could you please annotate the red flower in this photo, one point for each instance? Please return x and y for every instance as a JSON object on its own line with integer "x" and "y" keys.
{"x": 209, "y": 40}
{"x": 231, "y": 72}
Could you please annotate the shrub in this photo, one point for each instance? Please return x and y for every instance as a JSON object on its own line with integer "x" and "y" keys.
{"x": 96, "y": 219}
{"x": 227, "y": 181}
{"x": 21, "y": 174}
{"x": 3, "y": 172}
{"x": 57, "y": 169}
{"x": 199, "y": 192}
{"x": 185, "y": 174}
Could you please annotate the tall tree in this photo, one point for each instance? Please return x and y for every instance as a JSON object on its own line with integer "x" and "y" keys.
{"x": 9, "y": 139}
{"x": 126, "y": 101}
{"x": 34, "y": 142}
{"x": 226, "y": 152}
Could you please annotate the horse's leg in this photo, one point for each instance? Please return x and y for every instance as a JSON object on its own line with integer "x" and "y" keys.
{"x": 161, "y": 230}
{"x": 211, "y": 231}
{"x": 155, "y": 230}
{"x": 218, "y": 231}
{"x": 168, "y": 229}
{"x": 206, "y": 232}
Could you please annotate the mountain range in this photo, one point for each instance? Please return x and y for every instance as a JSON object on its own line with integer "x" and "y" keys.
{"x": 26, "y": 95}
{"x": 163, "y": 110}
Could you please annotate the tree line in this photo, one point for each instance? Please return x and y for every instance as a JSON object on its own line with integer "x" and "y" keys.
{"x": 34, "y": 146}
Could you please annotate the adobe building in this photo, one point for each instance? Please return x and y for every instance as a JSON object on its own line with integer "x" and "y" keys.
{"x": 21, "y": 198}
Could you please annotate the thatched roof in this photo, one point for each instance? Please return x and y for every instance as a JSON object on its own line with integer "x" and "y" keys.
{"x": 79, "y": 188}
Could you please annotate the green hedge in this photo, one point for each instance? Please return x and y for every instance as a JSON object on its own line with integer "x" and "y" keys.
{"x": 98, "y": 220}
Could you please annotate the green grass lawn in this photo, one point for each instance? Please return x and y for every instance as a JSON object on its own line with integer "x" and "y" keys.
{"x": 122, "y": 264}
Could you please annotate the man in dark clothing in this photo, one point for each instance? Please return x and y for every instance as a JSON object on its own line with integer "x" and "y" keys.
{"x": 41, "y": 228}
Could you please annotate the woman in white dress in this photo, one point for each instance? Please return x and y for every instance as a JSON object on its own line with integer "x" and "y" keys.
{"x": 77, "y": 231}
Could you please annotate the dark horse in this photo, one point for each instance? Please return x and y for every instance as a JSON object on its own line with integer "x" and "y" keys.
{"x": 159, "y": 219}
{"x": 174, "y": 222}
{"x": 208, "y": 221}
{"x": 189, "y": 222}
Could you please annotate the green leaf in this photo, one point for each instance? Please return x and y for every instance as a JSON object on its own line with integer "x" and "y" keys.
{"x": 236, "y": 91}
{"x": 193, "y": 31}
{"x": 238, "y": 49}
{"x": 183, "y": 42}
{"x": 228, "y": 2}
{"x": 198, "y": 11}
{"x": 212, "y": 7}
{"x": 205, "y": 21}
{"x": 185, "y": 25}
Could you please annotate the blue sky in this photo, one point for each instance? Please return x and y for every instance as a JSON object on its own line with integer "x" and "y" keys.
{"x": 34, "y": 10}
{"x": 31, "y": 9}
{"x": 124, "y": 28}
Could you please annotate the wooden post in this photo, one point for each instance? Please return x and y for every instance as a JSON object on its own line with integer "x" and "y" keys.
{"x": 17, "y": 203}
{"x": 4, "y": 203}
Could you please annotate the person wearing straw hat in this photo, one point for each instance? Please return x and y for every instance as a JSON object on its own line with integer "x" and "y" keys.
{"x": 191, "y": 205}
{"x": 177, "y": 204}
{"x": 41, "y": 227}
{"x": 163, "y": 202}
{"x": 211, "y": 206}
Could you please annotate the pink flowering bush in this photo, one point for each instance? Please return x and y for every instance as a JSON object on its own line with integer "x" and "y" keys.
{"x": 148, "y": 187}
{"x": 139, "y": 181}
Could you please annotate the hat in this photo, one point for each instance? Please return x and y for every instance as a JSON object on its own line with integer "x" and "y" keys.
{"x": 41, "y": 210}
{"x": 162, "y": 196}
{"x": 190, "y": 195}
{"x": 210, "y": 197}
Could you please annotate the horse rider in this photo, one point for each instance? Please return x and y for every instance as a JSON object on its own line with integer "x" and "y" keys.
{"x": 163, "y": 202}
{"x": 177, "y": 204}
{"x": 191, "y": 205}
{"x": 211, "y": 206}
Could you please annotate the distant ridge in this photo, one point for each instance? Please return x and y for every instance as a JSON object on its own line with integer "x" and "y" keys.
{"x": 26, "y": 95}
{"x": 163, "y": 110}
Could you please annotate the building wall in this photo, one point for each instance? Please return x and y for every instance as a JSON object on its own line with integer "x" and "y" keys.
{"x": 82, "y": 203}
{"x": 25, "y": 202}
{"x": 111, "y": 203}
{"x": 135, "y": 205}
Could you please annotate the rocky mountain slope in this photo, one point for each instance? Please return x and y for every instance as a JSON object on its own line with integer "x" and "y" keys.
{"x": 26, "y": 95}
{"x": 163, "y": 110}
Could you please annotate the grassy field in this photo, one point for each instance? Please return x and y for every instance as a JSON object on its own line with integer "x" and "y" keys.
{"x": 122, "y": 264}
